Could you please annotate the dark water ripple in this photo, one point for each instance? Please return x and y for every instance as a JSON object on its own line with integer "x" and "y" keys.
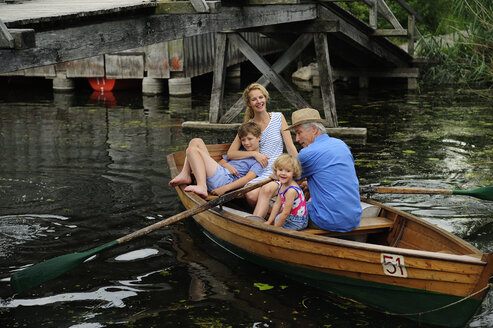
{"x": 75, "y": 174}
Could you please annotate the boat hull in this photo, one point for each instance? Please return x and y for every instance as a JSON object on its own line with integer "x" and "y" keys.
{"x": 413, "y": 268}
{"x": 414, "y": 304}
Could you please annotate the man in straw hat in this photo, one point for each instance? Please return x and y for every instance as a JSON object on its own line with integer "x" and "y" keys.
{"x": 328, "y": 166}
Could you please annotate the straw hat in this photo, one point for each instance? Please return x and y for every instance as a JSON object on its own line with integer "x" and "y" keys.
{"x": 306, "y": 115}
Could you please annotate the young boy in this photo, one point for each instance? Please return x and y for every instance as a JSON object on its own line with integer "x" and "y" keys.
{"x": 219, "y": 178}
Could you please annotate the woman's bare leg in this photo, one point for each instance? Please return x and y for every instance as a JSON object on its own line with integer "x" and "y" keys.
{"x": 263, "y": 198}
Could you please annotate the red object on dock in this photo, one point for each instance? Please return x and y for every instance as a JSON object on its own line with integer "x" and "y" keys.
{"x": 102, "y": 84}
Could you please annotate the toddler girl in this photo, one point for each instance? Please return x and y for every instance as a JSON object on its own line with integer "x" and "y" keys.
{"x": 289, "y": 210}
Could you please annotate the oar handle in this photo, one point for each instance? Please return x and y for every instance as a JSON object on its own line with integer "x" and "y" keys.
{"x": 398, "y": 190}
{"x": 180, "y": 216}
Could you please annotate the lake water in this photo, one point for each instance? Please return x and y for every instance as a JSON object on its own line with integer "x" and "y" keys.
{"x": 78, "y": 170}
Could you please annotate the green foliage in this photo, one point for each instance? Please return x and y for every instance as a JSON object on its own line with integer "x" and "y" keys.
{"x": 458, "y": 40}
{"x": 468, "y": 59}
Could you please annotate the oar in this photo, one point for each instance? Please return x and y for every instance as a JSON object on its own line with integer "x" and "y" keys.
{"x": 50, "y": 269}
{"x": 485, "y": 193}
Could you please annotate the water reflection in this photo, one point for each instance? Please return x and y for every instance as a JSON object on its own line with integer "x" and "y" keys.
{"x": 93, "y": 173}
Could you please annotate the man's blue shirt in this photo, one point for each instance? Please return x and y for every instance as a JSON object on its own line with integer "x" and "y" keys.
{"x": 328, "y": 165}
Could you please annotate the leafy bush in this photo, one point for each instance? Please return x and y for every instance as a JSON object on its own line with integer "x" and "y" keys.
{"x": 469, "y": 59}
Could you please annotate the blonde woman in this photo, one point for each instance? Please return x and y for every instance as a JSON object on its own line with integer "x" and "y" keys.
{"x": 274, "y": 132}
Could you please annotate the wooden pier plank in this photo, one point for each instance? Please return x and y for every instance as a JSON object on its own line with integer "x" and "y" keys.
{"x": 98, "y": 38}
{"x": 39, "y": 11}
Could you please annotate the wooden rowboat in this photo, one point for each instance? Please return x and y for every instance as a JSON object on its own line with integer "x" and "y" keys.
{"x": 396, "y": 262}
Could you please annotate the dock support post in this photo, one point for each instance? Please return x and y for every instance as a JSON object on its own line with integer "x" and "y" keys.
{"x": 152, "y": 86}
{"x": 218, "y": 79}
{"x": 326, "y": 81}
{"x": 412, "y": 83}
{"x": 234, "y": 71}
{"x": 63, "y": 84}
{"x": 410, "y": 34}
{"x": 180, "y": 86}
{"x": 363, "y": 82}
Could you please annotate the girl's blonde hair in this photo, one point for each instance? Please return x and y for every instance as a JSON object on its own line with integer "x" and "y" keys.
{"x": 288, "y": 161}
{"x": 246, "y": 98}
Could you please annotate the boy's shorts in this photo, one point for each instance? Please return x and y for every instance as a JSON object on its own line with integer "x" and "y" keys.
{"x": 220, "y": 178}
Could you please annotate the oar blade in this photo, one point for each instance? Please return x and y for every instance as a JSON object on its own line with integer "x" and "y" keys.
{"x": 50, "y": 269}
{"x": 485, "y": 193}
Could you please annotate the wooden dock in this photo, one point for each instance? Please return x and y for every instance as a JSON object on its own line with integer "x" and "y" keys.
{"x": 37, "y": 33}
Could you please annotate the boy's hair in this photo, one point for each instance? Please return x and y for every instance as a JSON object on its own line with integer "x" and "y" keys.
{"x": 249, "y": 127}
{"x": 288, "y": 161}
{"x": 246, "y": 98}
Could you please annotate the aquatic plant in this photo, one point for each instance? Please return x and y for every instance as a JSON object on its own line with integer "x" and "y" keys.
{"x": 466, "y": 55}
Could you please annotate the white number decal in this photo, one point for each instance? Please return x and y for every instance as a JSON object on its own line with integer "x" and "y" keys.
{"x": 393, "y": 265}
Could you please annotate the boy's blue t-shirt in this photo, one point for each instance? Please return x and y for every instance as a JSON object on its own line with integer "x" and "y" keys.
{"x": 244, "y": 165}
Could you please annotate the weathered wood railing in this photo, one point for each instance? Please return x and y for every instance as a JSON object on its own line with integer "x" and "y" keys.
{"x": 380, "y": 7}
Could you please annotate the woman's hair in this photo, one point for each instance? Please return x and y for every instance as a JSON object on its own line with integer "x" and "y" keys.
{"x": 249, "y": 127}
{"x": 246, "y": 98}
{"x": 288, "y": 161}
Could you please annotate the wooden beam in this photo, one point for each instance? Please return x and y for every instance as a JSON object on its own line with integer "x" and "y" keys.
{"x": 286, "y": 58}
{"x": 263, "y": 66}
{"x": 384, "y": 10}
{"x": 314, "y": 26}
{"x": 343, "y": 132}
{"x": 186, "y": 7}
{"x": 390, "y": 32}
{"x": 411, "y": 29}
{"x": 6, "y": 39}
{"x": 373, "y": 14}
{"x": 351, "y": 34}
{"x": 200, "y": 6}
{"x": 386, "y": 13}
{"x": 24, "y": 38}
{"x": 410, "y": 10}
{"x": 404, "y": 72}
{"x": 219, "y": 77}
{"x": 92, "y": 39}
{"x": 326, "y": 81}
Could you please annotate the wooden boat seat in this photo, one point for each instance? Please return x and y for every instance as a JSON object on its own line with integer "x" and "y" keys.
{"x": 367, "y": 225}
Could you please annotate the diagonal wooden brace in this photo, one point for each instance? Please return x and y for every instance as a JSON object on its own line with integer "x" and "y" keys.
{"x": 287, "y": 57}
{"x": 263, "y": 66}
{"x": 6, "y": 39}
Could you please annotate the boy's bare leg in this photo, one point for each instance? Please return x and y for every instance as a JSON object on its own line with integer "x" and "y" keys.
{"x": 185, "y": 175}
{"x": 202, "y": 166}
